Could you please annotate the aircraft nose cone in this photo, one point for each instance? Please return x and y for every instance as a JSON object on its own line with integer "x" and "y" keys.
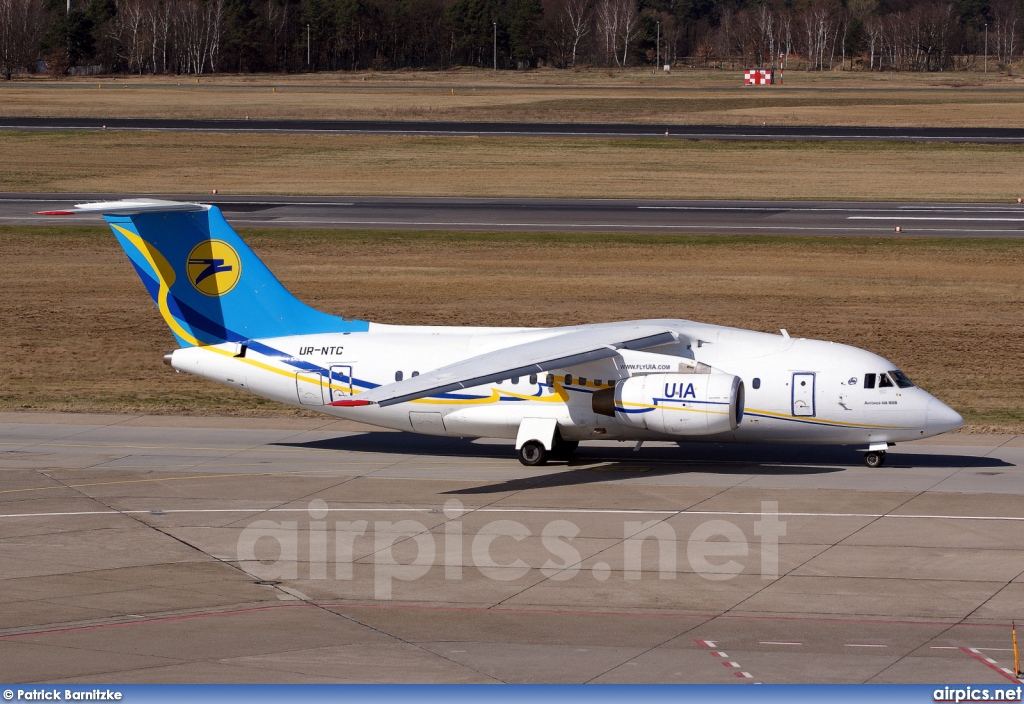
{"x": 940, "y": 418}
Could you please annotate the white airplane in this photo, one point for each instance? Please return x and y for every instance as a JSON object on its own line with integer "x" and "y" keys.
{"x": 546, "y": 388}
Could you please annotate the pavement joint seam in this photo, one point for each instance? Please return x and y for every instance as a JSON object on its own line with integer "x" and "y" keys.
{"x": 896, "y": 508}
{"x": 238, "y": 569}
{"x": 616, "y": 544}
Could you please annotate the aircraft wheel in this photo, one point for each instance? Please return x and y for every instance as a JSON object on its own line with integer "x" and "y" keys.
{"x": 564, "y": 449}
{"x": 874, "y": 459}
{"x": 532, "y": 454}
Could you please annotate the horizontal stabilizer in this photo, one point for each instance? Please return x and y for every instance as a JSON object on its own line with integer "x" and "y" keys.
{"x": 557, "y": 352}
{"x": 133, "y": 206}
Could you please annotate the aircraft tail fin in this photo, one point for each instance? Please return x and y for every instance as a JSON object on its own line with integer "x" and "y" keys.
{"x": 207, "y": 284}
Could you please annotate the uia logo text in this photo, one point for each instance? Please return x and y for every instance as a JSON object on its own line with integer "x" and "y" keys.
{"x": 214, "y": 267}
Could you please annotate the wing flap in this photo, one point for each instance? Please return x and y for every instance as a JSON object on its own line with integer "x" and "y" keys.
{"x": 556, "y": 352}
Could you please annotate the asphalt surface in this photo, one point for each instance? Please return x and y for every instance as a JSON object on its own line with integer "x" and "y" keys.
{"x": 791, "y": 218}
{"x": 983, "y": 135}
{"x": 145, "y": 549}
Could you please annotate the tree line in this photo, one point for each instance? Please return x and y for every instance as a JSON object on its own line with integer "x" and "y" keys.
{"x": 203, "y": 36}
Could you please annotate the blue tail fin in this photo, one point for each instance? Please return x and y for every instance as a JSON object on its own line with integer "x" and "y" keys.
{"x": 208, "y": 285}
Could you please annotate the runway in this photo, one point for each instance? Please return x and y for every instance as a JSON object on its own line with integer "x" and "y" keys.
{"x": 786, "y": 218}
{"x": 978, "y": 135}
{"x": 172, "y": 549}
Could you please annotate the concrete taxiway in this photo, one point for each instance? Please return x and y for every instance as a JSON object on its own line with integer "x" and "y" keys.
{"x": 170, "y": 549}
{"x": 788, "y": 218}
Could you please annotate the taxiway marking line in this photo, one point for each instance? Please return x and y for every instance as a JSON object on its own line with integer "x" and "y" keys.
{"x": 791, "y": 209}
{"x": 165, "y": 619}
{"x": 117, "y": 446}
{"x": 916, "y": 217}
{"x": 505, "y": 611}
{"x": 990, "y": 663}
{"x": 732, "y": 664}
{"x": 192, "y": 465}
{"x": 711, "y": 227}
{"x": 488, "y": 509}
{"x": 129, "y": 481}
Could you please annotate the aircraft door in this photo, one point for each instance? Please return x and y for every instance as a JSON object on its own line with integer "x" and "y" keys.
{"x": 803, "y": 394}
{"x": 340, "y": 385}
{"x": 308, "y": 387}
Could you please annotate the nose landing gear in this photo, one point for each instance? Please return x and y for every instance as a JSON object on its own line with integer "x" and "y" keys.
{"x": 874, "y": 456}
{"x": 874, "y": 459}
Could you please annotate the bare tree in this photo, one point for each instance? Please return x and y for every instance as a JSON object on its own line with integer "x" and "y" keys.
{"x": 823, "y": 23}
{"x": 608, "y": 26}
{"x": 199, "y": 30}
{"x": 629, "y": 26}
{"x": 21, "y": 28}
{"x": 578, "y": 12}
{"x": 1006, "y": 21}
{"x": 276, "y": 16}
{"x": 726, "y": 35}
{"x": 569, "y": 24}
{"x": 786, "y": 35}
{"x": 811, "y": 32}
{"x": 874, "y": 28}
{"x": 128, "y": 30}
{"x": 214, "y": 27}
{"x": 765, "y": 38}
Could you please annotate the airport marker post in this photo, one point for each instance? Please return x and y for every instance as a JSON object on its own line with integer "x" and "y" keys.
{"x": 1016, "y": 655}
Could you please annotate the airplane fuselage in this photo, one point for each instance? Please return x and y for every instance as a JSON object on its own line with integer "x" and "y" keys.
{"x": 793, "y": 390}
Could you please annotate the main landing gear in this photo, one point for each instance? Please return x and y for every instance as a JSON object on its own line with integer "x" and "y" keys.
{"x": 874, "y": 459}
{"x": 533, "y": 453}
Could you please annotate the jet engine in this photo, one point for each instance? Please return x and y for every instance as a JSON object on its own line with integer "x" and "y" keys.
{"x": 676, "y": 404}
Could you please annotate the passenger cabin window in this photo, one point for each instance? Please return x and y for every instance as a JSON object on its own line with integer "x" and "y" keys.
{"x": 757, "y": 382}
{"x": 415, "y": 373}
{"x": 533, "y": 378}
{"x": 568, "y": 379}
{"x": 884, "y": 382}
{"x": 399, "y": 376}
{"x": 901, "y": 379}
{"x": 583, "y": 381}
{"x": 869, "y": 381}
{"x": 597, "y": 382}
{"x": 515, "y": 380}
{"x": 550, "y": 380}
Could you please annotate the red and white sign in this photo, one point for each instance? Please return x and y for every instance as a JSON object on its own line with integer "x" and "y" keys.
{"x": 758, "y": 76}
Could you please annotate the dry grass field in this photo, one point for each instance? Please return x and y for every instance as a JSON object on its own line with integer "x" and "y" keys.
{"x": 81, "y": 334}
{"x": 160, "y": 162}
{"x": 685, "y": 96}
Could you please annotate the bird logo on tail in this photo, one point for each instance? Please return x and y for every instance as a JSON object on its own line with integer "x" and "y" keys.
{"x": 214, "y": 267}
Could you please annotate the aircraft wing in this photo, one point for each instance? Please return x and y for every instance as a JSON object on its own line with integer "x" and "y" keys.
{"x": 556, "y": 352}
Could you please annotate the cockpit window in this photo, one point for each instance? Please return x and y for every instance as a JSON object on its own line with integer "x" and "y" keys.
{"x": 901, "y": 379}
{"x": 869, "y": 381}
{"x": 884, "y": 381}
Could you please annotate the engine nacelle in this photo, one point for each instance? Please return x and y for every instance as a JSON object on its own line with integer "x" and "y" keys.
{"x": 681, "y": 404}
